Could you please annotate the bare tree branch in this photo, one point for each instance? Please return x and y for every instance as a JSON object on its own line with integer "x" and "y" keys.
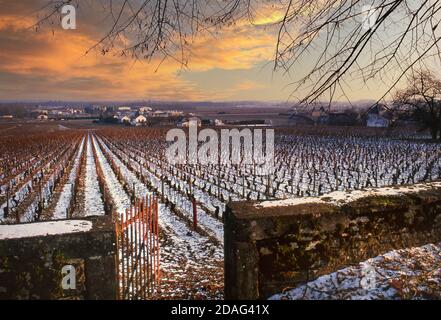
{"x": 347, "y": 40}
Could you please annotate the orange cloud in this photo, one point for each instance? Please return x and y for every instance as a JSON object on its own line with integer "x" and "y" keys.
{"x": 15, "y": 22}
{"x": 54, "y": 65}
{"x": 232, "y": 49}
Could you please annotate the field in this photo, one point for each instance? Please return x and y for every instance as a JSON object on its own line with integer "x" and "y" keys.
{"x": 57, "y": 172}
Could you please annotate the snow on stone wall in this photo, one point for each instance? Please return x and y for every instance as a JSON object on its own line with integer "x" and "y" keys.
{"x": 32, "y": 257}
{"x": 274, "y": 245}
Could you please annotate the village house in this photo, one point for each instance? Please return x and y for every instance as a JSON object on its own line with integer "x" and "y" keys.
{"x": 192, "y": 120}
{"x": 57, "y": 113}
{"x": 42, "y": 117}
{"x": 143, "y": 110}
{"x": 319, "y": 116}
{"x": 74, "y": 111}
{"x": 377, "y": 117}
{"x": 124, "y": 119}
{"x": 139, "y": 120}
{"x": 174, "y": 113}
{"x": 159, "y": 114}
{"x": 41, "y": 110}
{"x": 299, "y": 117}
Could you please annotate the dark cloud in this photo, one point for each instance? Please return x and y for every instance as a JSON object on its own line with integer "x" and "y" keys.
{"x": 29, "y": 86}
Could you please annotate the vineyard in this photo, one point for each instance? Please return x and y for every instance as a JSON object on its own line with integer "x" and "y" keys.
{"x": 75, "y": 173}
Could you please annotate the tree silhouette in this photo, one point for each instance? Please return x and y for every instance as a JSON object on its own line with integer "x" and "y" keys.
{"x": 347, "y": 40}
{"x": 422, "y": 97}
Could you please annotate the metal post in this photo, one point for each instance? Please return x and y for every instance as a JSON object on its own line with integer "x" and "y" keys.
{"x": 135, "y": 253}
{"x": 195, "y": 214}
{"x": 7, "y": 199}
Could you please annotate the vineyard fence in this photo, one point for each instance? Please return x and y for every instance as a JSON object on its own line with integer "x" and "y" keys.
{"x": 137, "y": 241}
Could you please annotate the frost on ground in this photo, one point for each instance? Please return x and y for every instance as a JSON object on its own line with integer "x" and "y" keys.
{"x": 413, "y": 273}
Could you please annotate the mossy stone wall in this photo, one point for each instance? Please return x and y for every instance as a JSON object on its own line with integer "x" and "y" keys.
{"x": 270, "y": 248}
{"x": 31, "y": 268}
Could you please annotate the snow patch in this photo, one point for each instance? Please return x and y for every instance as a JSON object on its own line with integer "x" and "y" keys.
{"x": 43, "y": 228}
{"x": 343, "y": 197}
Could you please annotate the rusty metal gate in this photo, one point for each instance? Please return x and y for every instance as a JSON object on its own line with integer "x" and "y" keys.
{"x": 137, "y": 240}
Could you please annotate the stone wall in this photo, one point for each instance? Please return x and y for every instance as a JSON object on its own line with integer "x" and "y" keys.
{"x": 31, "y": 266}
{"x": 273, "y": 245}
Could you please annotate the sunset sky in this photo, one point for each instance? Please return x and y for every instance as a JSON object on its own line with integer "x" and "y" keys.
{"x": 235, "y": 64}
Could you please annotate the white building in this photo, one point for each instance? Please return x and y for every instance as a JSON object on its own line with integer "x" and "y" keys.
{"x": 377, "y": 121}
{"x": 174, "y": 113}
{"x": 159, "y": 113}
{"x": 75, "y": 111}
{"x": 43, "y": 111}
{"x": 192, "y": 120}
{"x": 145, "y": 109}
{"x": 376, "y": 118}
{"x": 140, "y": 120}
{"x": 124, "y": 119}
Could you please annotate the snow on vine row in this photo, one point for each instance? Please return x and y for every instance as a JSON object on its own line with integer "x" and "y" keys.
{"x": 93, "y": 202}
{"x": 60, "y": 211}
{"x": 119, "y": 196}
{"x": 182, "y": 250}
{"x": 211, "y": 225}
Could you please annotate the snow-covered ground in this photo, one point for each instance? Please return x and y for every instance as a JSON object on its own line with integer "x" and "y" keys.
{"x": 194, "y": 245}
{"x": 60, "y": 211}
{"x": 305, "y": 166}
{"x": 140, "y": 189}
{"x": 119, "y": 196}
{"x": 188, "y": 260}
{"x": 94, "y": 205}
{"x": 209, "y": 224}
{"x": 185, "y": 255}
{"x": 413, "y": 273}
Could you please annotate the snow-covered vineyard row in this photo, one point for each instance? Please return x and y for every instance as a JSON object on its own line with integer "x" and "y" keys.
{"x": 191, "y": 263}
{"x": 78, "y": 173}
{"x": 26, "y": 193}
{"x": 305, "y": 166}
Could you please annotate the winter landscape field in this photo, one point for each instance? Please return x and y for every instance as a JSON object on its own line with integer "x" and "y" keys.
{"x": 220, "y": 150}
